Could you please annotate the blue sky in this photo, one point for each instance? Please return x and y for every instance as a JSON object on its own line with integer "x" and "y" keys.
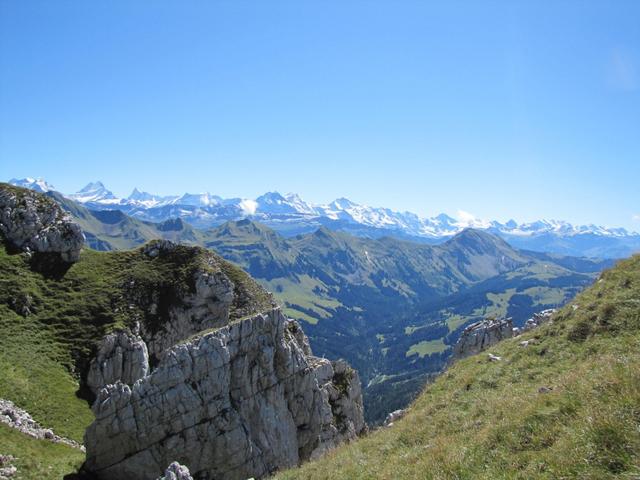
{"x": 502, "y": 109}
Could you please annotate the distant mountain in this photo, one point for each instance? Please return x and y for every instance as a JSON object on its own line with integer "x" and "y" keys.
{"x": 95, "y": 192}
{"x": 37, "y": 184}
{"x": 291, "y": 215}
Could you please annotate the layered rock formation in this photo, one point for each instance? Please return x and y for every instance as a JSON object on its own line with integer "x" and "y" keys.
{"x": 122, "y": 356}
{"x": 240, "y": 401}
{"x": 481, "y": 335}
{"x": 34, "y": 223}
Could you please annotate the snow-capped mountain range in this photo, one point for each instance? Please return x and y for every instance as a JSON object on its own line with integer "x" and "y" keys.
{"x": 291, "y": 215}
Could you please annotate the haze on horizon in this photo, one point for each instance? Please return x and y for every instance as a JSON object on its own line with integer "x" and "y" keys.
{"x": 523, "y": 111}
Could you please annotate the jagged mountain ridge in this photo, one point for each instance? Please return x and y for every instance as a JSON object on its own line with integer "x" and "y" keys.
{"x": 291, "y": 215}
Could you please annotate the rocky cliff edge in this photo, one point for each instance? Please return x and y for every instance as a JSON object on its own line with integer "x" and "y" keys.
{"x": 239, "y": 401}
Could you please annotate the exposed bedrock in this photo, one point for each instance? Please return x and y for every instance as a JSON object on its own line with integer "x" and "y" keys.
{"x": 240, "y": 401}
{"x": 33, "y": 223}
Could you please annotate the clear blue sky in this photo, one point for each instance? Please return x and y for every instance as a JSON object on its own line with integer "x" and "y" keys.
{"x": 503, "y": 109}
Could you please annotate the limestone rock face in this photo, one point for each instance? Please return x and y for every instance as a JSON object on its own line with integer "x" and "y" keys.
{"x": 31, "y": 222}
{"x": 481, "y": 335}
{"x": 240, "y": 401}
{"x": 121, "y": 356}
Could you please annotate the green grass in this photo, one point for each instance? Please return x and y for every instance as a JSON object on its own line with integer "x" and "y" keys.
{"x": 304, "y": 297}
{"x": 427, "y": 347}
{"x": 34, "y": 378}
{"x": 545, "y": 295}
{"x": 490, "y": 420}
{"x": 38, "y": 459}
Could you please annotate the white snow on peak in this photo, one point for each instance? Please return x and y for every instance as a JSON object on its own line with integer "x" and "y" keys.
{"x": 37, "y": 184}
{"x": 291, "y": 207}
{"x": 198, "y": 199}
{"x": 95, "y": 192}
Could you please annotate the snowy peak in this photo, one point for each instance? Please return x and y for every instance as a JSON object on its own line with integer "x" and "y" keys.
{"x": 275, "y": 203}
{"x": 140, "y": 196}
{"x": 37, "y": 184}
{"x": 291, "y": 213}
{"x": 149, "y": 200}
{"x": 342, "y": 204}
{"x": 94, "y": 192}
{"x": 198, "y": 199}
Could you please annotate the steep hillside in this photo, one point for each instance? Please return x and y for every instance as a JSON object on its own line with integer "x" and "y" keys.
{"x": 566, "y": 405}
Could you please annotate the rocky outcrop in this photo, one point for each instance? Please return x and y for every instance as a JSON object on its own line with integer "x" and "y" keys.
{"x": 240, "y": 401}
{"x": 481, "y": 335}
{"x": 33, "y": 223}
{"x": 206, "y": 304}
{"x": 19, "y": 419}
{"x": 7, "y": 470}
{"x": 122, "y": 356}
{"x": 175, "y": 471}
{"x": 538, "y": 319}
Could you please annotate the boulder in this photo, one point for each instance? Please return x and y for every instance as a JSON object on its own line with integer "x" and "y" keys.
{"x": 538, "y": 319}
{"x": 394, "y": 417}
{"x": 32, "y": 222}
{"x": 175, "y": 471}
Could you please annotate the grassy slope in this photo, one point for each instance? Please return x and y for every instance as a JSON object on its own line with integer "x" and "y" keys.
{"x": 38, "y": 459}
{"x": 489, "y": 419}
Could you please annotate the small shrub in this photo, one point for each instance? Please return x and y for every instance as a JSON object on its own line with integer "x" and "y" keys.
{"x": 580, "y": 331}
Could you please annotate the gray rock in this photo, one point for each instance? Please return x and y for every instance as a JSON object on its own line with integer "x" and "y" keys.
{"x": 7, "y": 470}
{"x": 481, "y": 335}
{"x": 241, "y": 401}
{"x": 394, "y": 417}
{"x": 538, "y": 319}
{"x": 207, "y": 307}
{"x": 32, "y": 222}
{"x": 122, "y": 356}
{"x": 175, "y": 471}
